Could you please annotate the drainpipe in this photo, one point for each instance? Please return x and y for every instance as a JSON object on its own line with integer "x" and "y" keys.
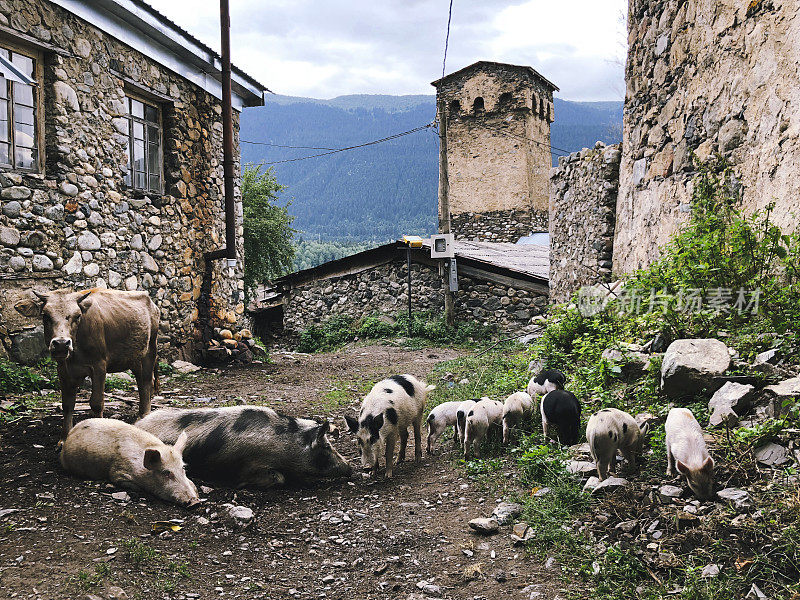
{"x": 229, "y": 251}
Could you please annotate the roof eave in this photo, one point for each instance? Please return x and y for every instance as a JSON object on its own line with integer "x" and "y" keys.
{"x": 533, "y": 72}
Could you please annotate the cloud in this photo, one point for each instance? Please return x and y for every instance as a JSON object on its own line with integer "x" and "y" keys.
{"x": 326, "y": 49}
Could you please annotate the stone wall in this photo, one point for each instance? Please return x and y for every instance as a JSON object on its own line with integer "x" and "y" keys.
{"x": 76, "y": 224}
{"x": 498, "y": 157}
{"x": 706, "y": 77}
{"x": 583, "y": 200}
{"x": 498, "y": 225}
{"x": 383, "y": 289}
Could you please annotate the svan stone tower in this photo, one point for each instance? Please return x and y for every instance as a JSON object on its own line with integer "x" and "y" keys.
{"x": 497, "y": 150}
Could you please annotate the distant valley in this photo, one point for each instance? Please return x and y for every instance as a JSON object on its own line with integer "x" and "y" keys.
{"x": 379, "y": 192}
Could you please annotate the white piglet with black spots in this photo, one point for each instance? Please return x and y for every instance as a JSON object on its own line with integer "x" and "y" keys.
{"x": 391, "y": 407}
{"x": 610, "y": 430}
{"x": 546, "y": 381}
{"x": 461, "y": 418}
{"x": 440, "y": 418}
{"x": 517, "y": 407}
{"x": 483, "y": 415}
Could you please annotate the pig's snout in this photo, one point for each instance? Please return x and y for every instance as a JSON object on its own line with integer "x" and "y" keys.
{"x": 60, "y": 347}
{"x": 191, "y": 502}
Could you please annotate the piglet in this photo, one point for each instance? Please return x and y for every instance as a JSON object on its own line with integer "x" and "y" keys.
{"x": 561, "y": 409}
{"x": 440, "y": 418}
{"x": 610, "y": 430}
{"x": 686, "y": 450}
{"x": 108, "y": 449}
{"x": 480, "y": 418}
{"x": 546, "y": 381}
{"x": 461, "y": 418}
{"x": 391, "y": 407}
{"x": 516, "y": 407}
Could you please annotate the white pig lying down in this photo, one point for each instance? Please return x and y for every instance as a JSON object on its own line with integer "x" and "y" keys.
{"x": 686, "y": 450}
{"x": 546, "y": 381}
{"x": 610, "y": 430}
{"x": 108, "y": 449}
{"x": 561, "y": 409}
{"x": 391, "y": 407}
{"x": 249, "y": 446}
{"x": 480, "y": 418}
{"x": 440, "y": 418}
{"x": 516, "y": 408}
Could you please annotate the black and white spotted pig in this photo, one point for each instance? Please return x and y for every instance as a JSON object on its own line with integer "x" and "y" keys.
{"x": 439, "y": 419}
{"x": 391, "y": 407}
{"x": 546, "y": 381}
{"x": 561, "y": 409}
{"x": 610, "y": 430}
{"x": 249, "y": 446}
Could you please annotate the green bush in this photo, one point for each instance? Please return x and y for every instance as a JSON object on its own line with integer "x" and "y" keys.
{"x": 18, "y": 379}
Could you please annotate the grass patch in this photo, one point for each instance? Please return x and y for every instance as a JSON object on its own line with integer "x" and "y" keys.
{"x": 164, "y": 571}
{"x": 426, "y": 328}
{"x": 19, "y": 379}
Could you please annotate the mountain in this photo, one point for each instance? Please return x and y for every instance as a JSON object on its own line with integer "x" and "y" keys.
{"x": 378, "y": 192}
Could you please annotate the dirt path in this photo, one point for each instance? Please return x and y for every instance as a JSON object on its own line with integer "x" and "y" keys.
{"x": 403, "y": 538}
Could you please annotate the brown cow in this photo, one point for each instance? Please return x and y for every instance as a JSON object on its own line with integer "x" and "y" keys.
{"x": 94, "y": 332}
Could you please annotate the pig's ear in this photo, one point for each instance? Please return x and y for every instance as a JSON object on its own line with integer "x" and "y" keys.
{"x": 352, "y": 424}
{"x": 29, "y": 307}
{"x": 682, "y": 468}
{"x": 180, "y": 443}
{"x": 708, "y": 466}
{"x": 152, "y": 459}
{"x": 377, "y": 423}
{"x": 85, "y": 301}
{"x": 333, "y": 430}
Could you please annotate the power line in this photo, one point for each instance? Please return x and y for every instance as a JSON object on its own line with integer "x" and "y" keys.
{"x": 553, "y": 149}
{"x": 336, "y": 150}
{"x": 447, "y": 37}
{"x": 284, "y": 146}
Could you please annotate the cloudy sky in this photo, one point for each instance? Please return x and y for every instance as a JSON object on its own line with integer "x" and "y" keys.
{"x": 327, "y": 48}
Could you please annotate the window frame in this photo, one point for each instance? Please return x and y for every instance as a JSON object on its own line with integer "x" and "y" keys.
{"x": 158, "y": 106}
{"x": 37, "y": 56}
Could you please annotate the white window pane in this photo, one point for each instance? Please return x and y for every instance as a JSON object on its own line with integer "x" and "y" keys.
{"x": 3, "y": 129}
{"x": 3, "y": 87}
{"x": 23, "y": 94}
{"x": 138, "y": 131}
{"x": 138, "y": 156}
{"x": 5, "y": 149}
{"x": 23, "y": 63}
{"x": 24, "y": 136}
{"x": 23, "y": 115}
{"x": 137, "y": 108}
{"x": 140, "y": 181}
{"x": 26, "y": 158}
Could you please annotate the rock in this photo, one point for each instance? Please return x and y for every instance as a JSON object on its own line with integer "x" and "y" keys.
{"x": 686, "y": 520}
{"x": 121, "y": 496}
{"x": 17, "y": 263}
{"x": 9, "y": 236}
{"x": 149, "y": 263}
{"x": 788, "y": 389}
{"x": 66, "y": 96}
{"x": 739, "y": 498}
{"x": 88, "y": 241}
{"x": 710, "y": 571}
{"x": 521, "y": 533}
{"x": 240, "y": 515}
{"x": 541, "y": 492}
{"x": 246, "y": 334}
{"x": 28, "y": 347}
{"x": 42, "y": 263}
{"x": 729, "y": 402}
{"x": 12, "y": 209}
{"x": 627, "y": 526}
{"x": 16, "y": 192}
{"x": 767, "y": 357}
{"x": 226, "y": 334}
{"x": 181, "y": 366}
{"x": 580, "y": 467}
{"x": 597, "y": 487}
{"x": 731, "y": 134}
{"x": 632, "y": 364}
{"x": 114, "y": 279}
{"x": 116, "y": 593}
{"x": 154, "y": 243}
{"x": 772, "y": 455}
{"x": 70, "y": 189}
{"x": 485, "y": 526}
{"x": 690, "y": 366}
{"x": 755, "y": 594}
{"x": 505, "y": 512}
{"x": 667, "y": 492}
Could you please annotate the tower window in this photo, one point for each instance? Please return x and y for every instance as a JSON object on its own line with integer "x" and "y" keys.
{"x": 477, "y": 105}
{"x": 455, "y": 106}
{"x": 506, "y": 98}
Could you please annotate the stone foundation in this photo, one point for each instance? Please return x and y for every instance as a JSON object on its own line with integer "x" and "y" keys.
{"x": 498, "y": 225}
{"x": 583, "y": 202}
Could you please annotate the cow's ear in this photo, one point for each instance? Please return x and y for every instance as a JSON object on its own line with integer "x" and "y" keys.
{"x": 352, "y": 424}
{"x": 152, "y": 459}
{"x": 29, "y": 307}
{"x": 85, "y": 301}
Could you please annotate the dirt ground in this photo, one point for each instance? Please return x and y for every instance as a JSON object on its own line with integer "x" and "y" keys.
{"x": 403, "y": 538}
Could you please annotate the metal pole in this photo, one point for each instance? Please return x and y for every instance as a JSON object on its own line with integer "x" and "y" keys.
{"x": 444, "y": 207}
{"x": 227, "y": 131}
{"x": 408, "y": 263}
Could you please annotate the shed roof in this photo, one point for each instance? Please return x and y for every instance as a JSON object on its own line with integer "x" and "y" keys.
{"x": 143, "y": 28}
{"x": 488, "y": 64}
{"x": 530, "y": 259}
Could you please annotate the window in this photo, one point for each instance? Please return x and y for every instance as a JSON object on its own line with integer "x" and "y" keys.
{"x": 455, "y": 107}
{"x": 506, "y": 98}
{"x": 19, "y": 122}
{"x": 144, "y": 146}
{"x": 477, "y": 105}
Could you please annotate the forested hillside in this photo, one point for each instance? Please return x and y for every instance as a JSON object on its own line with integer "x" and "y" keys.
{"x": 378, "y": 192}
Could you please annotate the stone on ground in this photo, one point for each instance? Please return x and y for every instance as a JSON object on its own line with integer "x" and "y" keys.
{"x": 691, "y": 366}
{"x": 505, "y": 512}
{"x": 739, "y": 498}
{"x": 181, "y": 366}
{"x": 772, "y": 455}
{"x": 485, "y": 526}
{"x": 730, "y": 402}
{"x": 597, "y": 487}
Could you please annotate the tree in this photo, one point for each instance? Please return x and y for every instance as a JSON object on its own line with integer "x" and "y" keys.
{"x": 268, "y": 233}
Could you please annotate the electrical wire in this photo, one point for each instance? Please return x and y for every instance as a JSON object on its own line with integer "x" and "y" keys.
{"x": 284, "y": 146}
{"x": 336, "y": 150}
{"x": 447, "y": 37}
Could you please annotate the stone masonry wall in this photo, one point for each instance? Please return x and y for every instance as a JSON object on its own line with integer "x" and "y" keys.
{"x": 706, "y": 77}
{"x": 499, "y": 225}
{"x": 383, "y": 290}
{"x": 583, "y": 201}
{"x": 76, "y": 224}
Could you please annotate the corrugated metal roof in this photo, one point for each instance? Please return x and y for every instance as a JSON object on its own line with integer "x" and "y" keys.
{"x": 531, "y": 259}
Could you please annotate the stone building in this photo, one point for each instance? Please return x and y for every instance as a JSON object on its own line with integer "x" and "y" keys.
{"x": 706, "y": 77}
{"x": 498, "y": 150}
{"x": 111, "y": 164}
